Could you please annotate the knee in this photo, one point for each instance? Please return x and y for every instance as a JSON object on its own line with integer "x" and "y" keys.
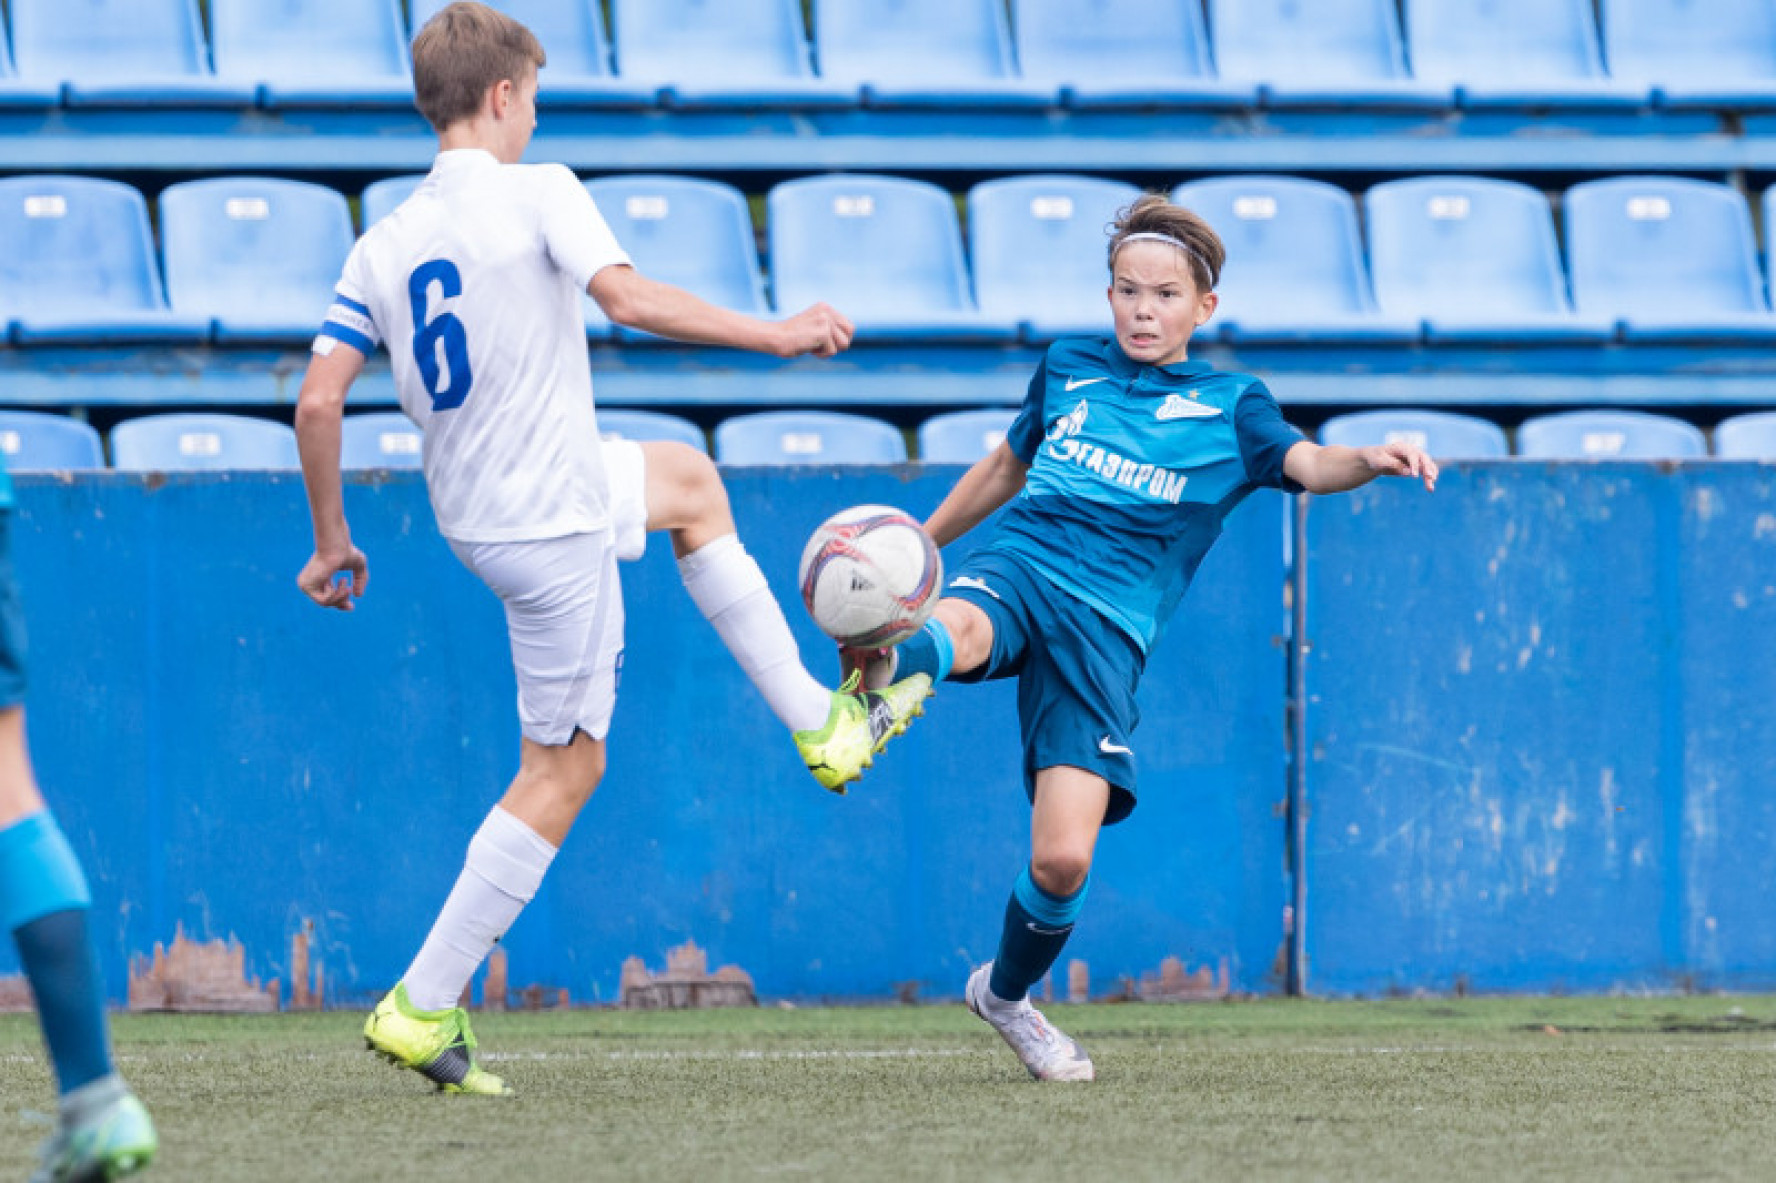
{"x": 971, "y": 633}
{"x": 1060, "y": 870}
{"x": 698, "y": 482}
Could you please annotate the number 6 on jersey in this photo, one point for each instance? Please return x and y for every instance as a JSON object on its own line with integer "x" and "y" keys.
{"x": 444, "y": 329}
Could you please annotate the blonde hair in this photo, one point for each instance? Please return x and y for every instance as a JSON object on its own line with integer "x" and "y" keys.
{"x": 1154, "y": 217}
{"x": 461, "y": 53}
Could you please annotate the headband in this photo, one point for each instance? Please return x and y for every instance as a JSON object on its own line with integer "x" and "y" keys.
{"x": 1150, "y": 236}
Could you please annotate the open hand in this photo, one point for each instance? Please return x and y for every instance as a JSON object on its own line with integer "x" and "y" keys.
{"x": 1402, "y": 459}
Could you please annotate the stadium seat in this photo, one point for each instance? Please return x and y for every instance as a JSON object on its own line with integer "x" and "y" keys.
{"x": 1123, "y": 53}
{"x": 120, "y": 53}
{"x": 691, "y": 233}
{"x": 808, "y": 437}
{"x": 32, "y": 441}
{"x": 923, "y": 53}
{"x": 646, "y": 426}
{"x": 202, "y": 443}
{"x": 1039, "y": 248}
{"x": 1294, "y": 269}
{"x": 1608, "y": 435}
{"x": 578, "y": 73}
{"x": 330, "y": 53}
{"x": 380, "y": 439}
{"x": 887, "y": 251}
{"x": 1672, "y": 259}
{"x": 1443, "y": 435}
{"x": 962, "y": 437}
{"x": 79, "y": 265}
{"x": 381, "y": 197}
{"x": 258, "y": 257}
{"x": 723, "y": 53}
{"x": 1719, "y": 54}
{"x": 1515, "y": 53}
{"x": 1747, "y": 437}
{"x": 1327, "y": 53}
{"x": 16, "y": 92}
{"x": 1476, "y": 259}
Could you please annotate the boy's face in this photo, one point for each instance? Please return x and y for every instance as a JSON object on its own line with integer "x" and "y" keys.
{"x": 1155, "y": 303}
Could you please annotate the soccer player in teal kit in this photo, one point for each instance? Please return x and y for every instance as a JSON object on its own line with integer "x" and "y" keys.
{"x": 1125, "y": 460}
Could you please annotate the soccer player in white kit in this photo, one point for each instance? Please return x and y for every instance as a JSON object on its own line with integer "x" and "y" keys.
{"x": 474, "y": 284}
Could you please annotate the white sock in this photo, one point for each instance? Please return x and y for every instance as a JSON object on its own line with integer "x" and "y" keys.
{"x": 730, "y": 590}
{"x": 506, "y": 863}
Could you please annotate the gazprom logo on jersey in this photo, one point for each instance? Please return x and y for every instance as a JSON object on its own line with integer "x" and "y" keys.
{"x": 1065, "y": 445}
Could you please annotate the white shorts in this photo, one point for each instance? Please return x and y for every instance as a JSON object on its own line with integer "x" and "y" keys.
{"x": 625, "y": 468}
{"x": 564, "y": 613}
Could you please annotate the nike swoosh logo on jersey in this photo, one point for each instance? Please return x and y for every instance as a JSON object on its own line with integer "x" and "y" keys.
{"x": 1178, "y": 407}
{"x": 1113, "y": 749}
{"x": 1075, "y": 383}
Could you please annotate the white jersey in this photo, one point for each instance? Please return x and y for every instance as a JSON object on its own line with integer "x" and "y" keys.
{"x": 475, "y": 283}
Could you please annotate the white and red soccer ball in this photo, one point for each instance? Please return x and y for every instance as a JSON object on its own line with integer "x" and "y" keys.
{"x": 870, "y": 576}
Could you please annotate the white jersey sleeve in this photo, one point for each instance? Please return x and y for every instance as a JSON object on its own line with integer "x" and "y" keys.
{"x": 578, "y": 238}
{"x": 348, "y": 317}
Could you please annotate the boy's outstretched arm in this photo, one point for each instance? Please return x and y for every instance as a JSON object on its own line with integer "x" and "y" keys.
{"x": 994, "y": 480}
{"x": 1336, "y": 469}
{"x": 319, "y": 408}
{"x": 634, "y": 301}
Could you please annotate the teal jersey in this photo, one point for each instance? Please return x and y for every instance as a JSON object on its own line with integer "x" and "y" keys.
{"x": 1133, "y": 468}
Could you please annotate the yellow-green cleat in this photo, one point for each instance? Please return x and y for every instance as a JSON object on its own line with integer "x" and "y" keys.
{"x": 859, "y": 727}
{"x": 115, "y": 1142}
{"x": 436, "y": 1044}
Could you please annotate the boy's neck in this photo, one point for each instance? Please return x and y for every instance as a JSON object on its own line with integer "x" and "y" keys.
{"x": 469, "y": 134}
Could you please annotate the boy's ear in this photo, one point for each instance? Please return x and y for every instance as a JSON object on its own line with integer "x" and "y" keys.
{"x": 1205, "y": 307}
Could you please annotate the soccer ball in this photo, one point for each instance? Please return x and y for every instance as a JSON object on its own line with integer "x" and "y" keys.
{"x": 870, "y": 576}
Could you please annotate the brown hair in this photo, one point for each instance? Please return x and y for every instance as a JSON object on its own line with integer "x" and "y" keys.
{"x": 463, "y": 51}
{"x": 1154, "y": 214}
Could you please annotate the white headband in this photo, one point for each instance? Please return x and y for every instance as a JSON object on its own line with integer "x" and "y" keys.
{"x": 1150, "y": 236}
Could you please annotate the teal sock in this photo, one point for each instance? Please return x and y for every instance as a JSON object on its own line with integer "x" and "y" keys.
{"x": 1037, "y": 926}
{"x": 928, "y": 651}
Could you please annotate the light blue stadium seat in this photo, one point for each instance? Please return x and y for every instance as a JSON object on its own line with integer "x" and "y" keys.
{"x": 120, "y": 53}
{"x": 1040, "y": 250}
{"x": 578, "y": 73}
{"x": 646, "y": 426}
{"x": 1672, "y": 259}
{"x": 79, "y": 265}
{"x": 381, "y": 197}
{"x": 962, "y": 437}
{"x": 691, "y": 233}
{"x": 302, "y": 53}
{"x": 380, "y": 439}
{"x": 16, "y": 92}
{"x": 1445, "y": 436}
{"x": 1747, "y": 437}
{"x": 1515, "y": 53}
{"x": 1695, "y": 53}
{"x": 724, "y": 53}
{"x": 1476, "y": 259}
{"x": 1295, "y": 269}
{"x": 1609, "y": 435}
{"x": 886, "y": 252}
{"x": 923, "y": 53}
{"x": 32, "y": 441}
{"x": 1319, "y": 53}
{"x": 202, "y": 443}
{"x": 258, "y": 257}
{"x": 1123, "y": 53}
{"x": 808, "y": 437}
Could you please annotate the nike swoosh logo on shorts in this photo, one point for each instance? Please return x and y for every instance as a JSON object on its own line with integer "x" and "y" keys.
{"x": 1075, "y": 383}
{"x": 1113, "y": 749}
{"x": 970, "y": 581}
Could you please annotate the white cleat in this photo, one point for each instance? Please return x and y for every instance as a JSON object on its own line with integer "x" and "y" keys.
{"x": 1047, "y": 1051}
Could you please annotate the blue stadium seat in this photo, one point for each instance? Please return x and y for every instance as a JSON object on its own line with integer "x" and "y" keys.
{"x": 258, "y": 257}
{"x": 1123, "y": 53}
{"x": 578, "y": 73}
{"x": 16, "y": 92}
{"x": 1719, "y": 54}
{"x": 1747, "y": 437}
{"x": 381, "y": 197}
{"x": 645, "y": 426}
{"x": 886, "y": 252}
{"x": 1672, "y": 259}
{"x": 724, "y": 53}
{"x": 202, "y": 443}
{"x": 1515, "y": 53}
{"x": 691, "y": 233}
{"x": 32, "y": 441}
{"x": 1443, "y": 435}
{"x": 808, "y": 437}
{"x": 1327, "y": 53}
{"x": 1609, "y": 435}
{"x": 962, "y": 437}
{"x": 1295, "y": 269}
{"x": 380, "y": 439}
{"x": 79, "y": 265}
{"x": 1476, "y": 259}
{"x": 923, "y": 53}
{"x": 1039, "y": 247}
{"x": 302, "y": 53}
{"x": 120, "y": 53}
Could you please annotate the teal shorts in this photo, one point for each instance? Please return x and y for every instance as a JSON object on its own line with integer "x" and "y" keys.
{"x": 12, "y": 623}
